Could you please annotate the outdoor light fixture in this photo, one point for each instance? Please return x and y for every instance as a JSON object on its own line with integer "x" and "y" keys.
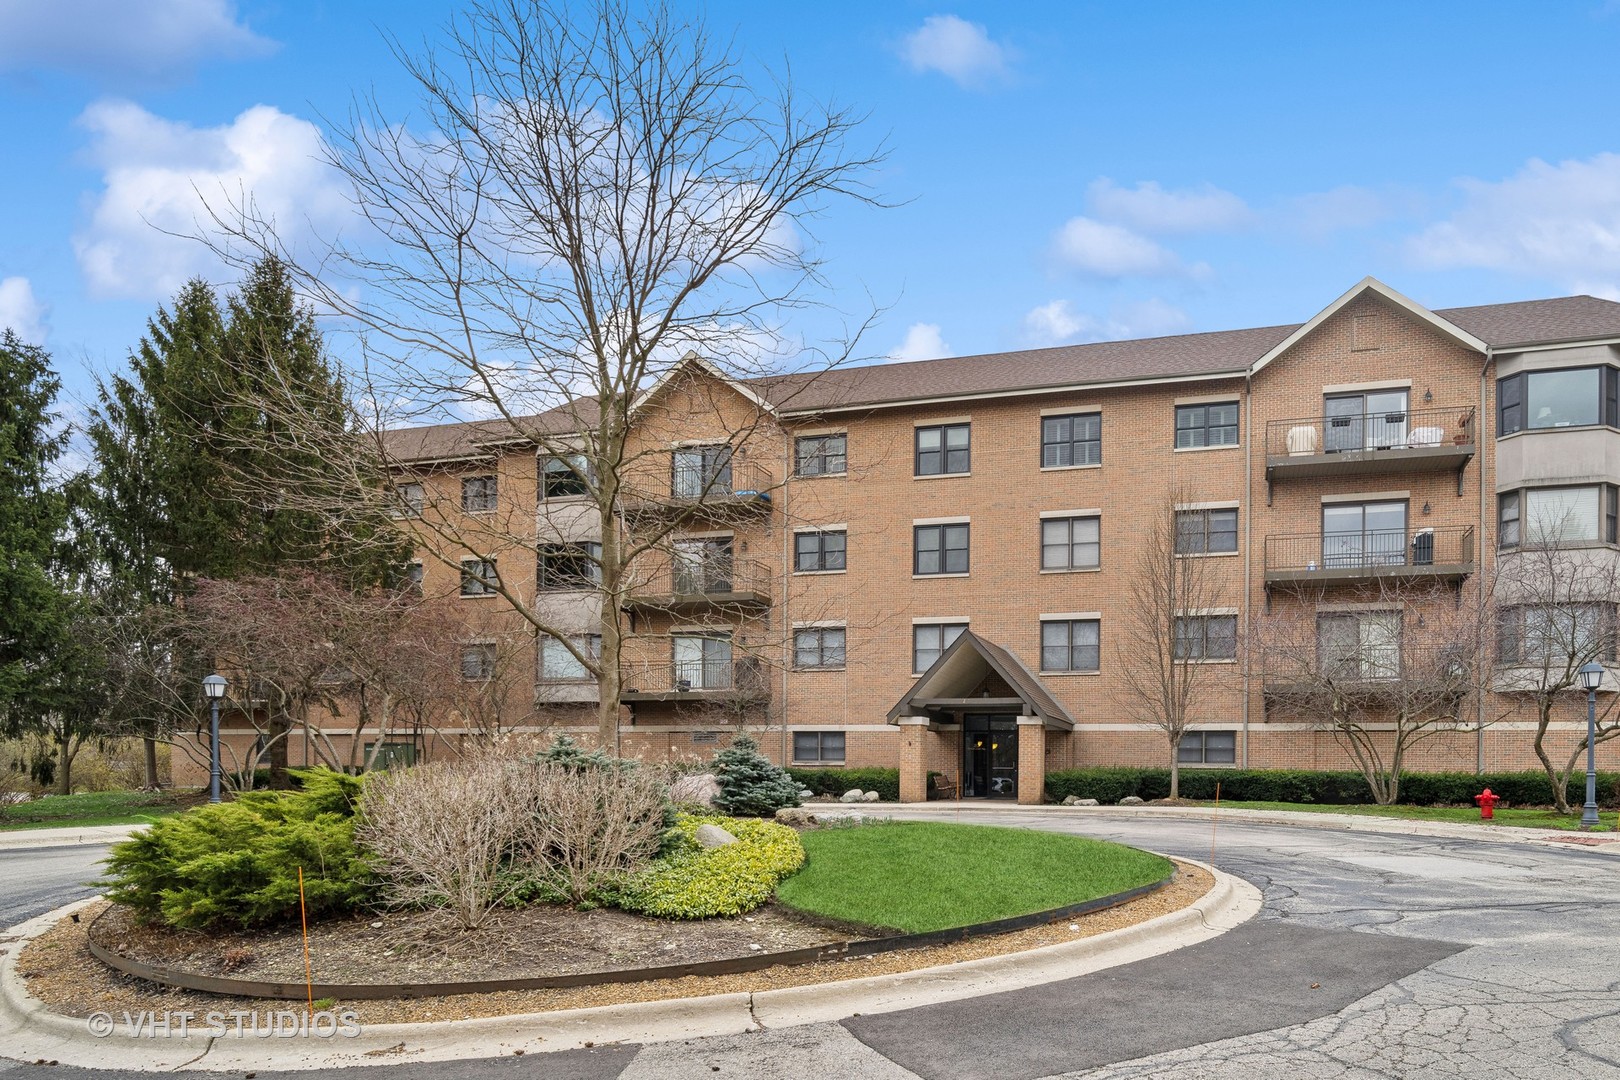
{"x": 213, "y": 690}
{"x": 1591, "y": 677}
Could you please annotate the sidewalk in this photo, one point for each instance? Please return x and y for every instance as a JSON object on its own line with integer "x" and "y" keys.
{"x": 1601, "y": 843}
{"x": 19, "y": 839}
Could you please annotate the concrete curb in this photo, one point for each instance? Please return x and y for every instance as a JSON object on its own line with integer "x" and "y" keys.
{"x": 23, "y": 839}
{"x": 1607, "y": 843}
{"x": 28, "y": 1031}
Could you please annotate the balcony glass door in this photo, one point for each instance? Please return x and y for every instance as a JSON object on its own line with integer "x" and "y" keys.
{"x": 1376, "y": 420}
{"x": 701, "y": 471}
{"x": 702, "y": 567}
{"x": 702, "y": 663}
{"x": 1360, "y": 647}
{"x": 1364, "y": 534}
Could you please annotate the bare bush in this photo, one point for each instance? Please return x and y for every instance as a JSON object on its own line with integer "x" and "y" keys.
{"x": 595, "y": 825}
{"x": 446, "y": 832}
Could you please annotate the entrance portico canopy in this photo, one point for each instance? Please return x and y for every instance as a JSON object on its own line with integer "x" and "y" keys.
{"x": 975, "y": 675}
{"x": 978, "y": 718}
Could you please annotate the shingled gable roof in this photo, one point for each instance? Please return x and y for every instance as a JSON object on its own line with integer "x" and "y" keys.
{"x": 1183, "y": 357}
{"x": 954, "y": 671}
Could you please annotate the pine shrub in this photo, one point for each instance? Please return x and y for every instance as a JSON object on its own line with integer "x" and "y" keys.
{"x": 237, "y": 863}
{"x": 750, "y": 784}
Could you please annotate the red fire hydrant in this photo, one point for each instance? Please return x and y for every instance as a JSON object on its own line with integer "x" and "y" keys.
{"x": 1487, "y": 804}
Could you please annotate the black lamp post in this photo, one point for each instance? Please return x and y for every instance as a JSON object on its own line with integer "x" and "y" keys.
{"x": 213, "y": 689}
{"x": 1591, "y": 675}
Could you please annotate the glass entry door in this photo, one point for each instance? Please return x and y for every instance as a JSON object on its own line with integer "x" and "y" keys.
{"x": 1364, "y": 534}
{"x": 989, "y": 756}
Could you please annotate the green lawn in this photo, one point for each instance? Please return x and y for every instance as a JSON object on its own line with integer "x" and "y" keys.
{"x": 97, "y": 808}
{"x": 921, "y": 876}
{"x": 1528, "y": 818}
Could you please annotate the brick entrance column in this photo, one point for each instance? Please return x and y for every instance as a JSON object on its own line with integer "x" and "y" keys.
{"x": 1031, "y": 760}
{"x": 914, "y": 759}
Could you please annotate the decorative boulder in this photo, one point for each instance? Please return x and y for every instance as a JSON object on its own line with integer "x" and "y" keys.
{"x": 1070, "y": 800}
{"x": 1132, "y": 800}
{"x": 806, "y": 793}
{"x": 795, "y": 816}
{"x": 699, "y": 788}
{"x": 713, "y": 836}
{"x": 871, "y": 796}
{"x": 852, "y": 795}
{"x": 1087, "y": 802}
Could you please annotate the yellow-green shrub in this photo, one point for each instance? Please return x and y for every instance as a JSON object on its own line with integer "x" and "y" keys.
{"x": 692, "y": 882}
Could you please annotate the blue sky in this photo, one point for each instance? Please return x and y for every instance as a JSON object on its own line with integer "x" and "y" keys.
{"x": 1064, "y": 172}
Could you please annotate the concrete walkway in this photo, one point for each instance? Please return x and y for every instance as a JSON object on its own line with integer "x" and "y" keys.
{"x": 21, "y": 839}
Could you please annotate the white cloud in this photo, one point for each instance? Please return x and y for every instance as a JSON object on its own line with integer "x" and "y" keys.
{"x": 20, "y": 311}
{"x": 1554, "y": 221}
{"x": 112, "y": 39}
{"x": 157, "y": 173}
{"x": 923, "y": 342}
{"x": 1103, "y": 249}
{"x": 1057, "y": 323}
{"x": 1150, "y": 208}
{"x": 1320, "y": 214}
{"x": 956, "y": 48}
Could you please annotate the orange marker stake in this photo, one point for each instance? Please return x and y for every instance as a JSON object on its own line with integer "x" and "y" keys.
{"x": 303, "y": 916}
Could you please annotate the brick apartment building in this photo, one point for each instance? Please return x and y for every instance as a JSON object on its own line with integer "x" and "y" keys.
{"x": 928, "y": 564}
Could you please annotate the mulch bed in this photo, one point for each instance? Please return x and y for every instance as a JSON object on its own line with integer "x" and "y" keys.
{"x": 60, "y": 971}
{"x": 421, "y": 946}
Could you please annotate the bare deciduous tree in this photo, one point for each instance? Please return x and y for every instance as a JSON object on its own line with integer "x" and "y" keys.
{"x": 580, "y": 208}
{"x": 1177, "y": 619}
{"x": 1555, "y": 610}
{"x": 1383, "y": 669}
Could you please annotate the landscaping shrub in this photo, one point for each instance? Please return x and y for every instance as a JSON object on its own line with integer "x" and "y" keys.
{"x": 692, "y": 882}
{"x": 238, "y": 862}
{"x": 446, "y": 833}
{"x": 474, "y": 833}
{"x": 749, "y": 783}
{"x": 834, "y": 782}
{"x": 1110, "y": 784}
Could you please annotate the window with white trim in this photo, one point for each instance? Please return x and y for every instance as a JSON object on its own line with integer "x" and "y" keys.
{"x": 943, "y": 449}
{"x": 1214, "y": 424}
{"x": 1205, "y": 637}
{"x": 939, "y": 549}
{"x": 409, "y": 498}
{"x": 821, "y": 455}
{"x": 1205, "y": 532}
{"x": 1075, "y": 439}
{"x": 557, "y": 664}
{"x": 478, "y": 661}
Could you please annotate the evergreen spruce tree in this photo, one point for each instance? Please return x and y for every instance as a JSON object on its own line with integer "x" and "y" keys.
{"x": 749, "y": 783}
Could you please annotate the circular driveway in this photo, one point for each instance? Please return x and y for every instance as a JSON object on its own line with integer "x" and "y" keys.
{"x": 1376, "y": 955}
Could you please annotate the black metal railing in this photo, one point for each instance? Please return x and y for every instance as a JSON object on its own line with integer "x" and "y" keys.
{"x": 1401, "y": 429}
{"x": 717, "y": 674}
{"x": 711, "y": 576}
{"x": 1372, "y": 550}
{"x": 1418, "y": 667}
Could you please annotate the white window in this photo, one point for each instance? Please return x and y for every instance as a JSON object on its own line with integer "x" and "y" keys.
{"x": 818, "y": 747}
{"x": 1071, "y": 543}
{"x": 557, "y": 664}
{"x": 702, "y": 663}
{"x": 929, "y": 640}
{"x": 478, "y": 577}
{"x": 818, "y": 648}
{"x": 409, "y": 499}
{"x": 478, "y": 662}
{"x": 1070, "y": 645}
{"x": 477, "y": 494}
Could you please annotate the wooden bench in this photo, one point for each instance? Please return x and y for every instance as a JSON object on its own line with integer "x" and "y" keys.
{"x": 941, "y": 788}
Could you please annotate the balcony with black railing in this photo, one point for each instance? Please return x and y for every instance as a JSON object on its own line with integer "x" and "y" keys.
{"x": 1399, "y": 441}
{"x": 1440, "y": 554}
{"x": 1394, "y": 669}
{"x": 704, "y": 584}
{"x": 716, "y": 679}
{"x": 709, "y": 487}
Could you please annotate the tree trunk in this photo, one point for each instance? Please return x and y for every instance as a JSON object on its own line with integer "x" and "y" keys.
{"x": 1175, "y": 768}
{"x": 149, "y": 745}
{"x": 1559, "y": 794}
{"x": 279, "y": 733}
{"x": 64, "y": 764}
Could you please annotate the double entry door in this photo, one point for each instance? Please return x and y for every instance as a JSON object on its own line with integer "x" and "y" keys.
{"x": 989, "y": 756}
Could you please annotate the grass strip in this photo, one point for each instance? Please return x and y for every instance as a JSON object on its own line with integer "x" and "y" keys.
{"x": 921, "y": 876}
{"x": 96, "y": 808}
